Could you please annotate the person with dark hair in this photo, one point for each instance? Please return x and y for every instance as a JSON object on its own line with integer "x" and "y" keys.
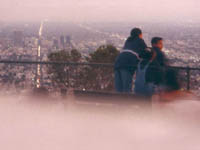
{"x": 153, "y": 67}
{"x": 129, "y": 57}
{"x": 156, "y": 70}
{"x": 151, "y": 70}
{"x": 169, "y": 88}
{"x": 157, "y": 46}
{"x": 135, "y": 42}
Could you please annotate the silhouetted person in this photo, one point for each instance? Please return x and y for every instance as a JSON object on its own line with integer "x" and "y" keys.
{"x": 157, "y": 46}
{"x": 149, "y": 75}
{"x": 151, "y": 70}
{"x": 129, "y": 57}
{"x": 156, "y": 70}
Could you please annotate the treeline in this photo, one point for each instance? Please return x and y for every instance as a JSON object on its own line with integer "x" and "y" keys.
{"x": 83, "y": 77}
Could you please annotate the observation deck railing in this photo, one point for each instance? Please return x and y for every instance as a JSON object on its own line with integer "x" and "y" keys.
{"x": 80, "y": 76}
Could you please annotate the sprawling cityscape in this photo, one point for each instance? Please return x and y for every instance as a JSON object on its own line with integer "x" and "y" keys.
{"x": 35, "y": 41}
{"x": 73, "y": 74}
{"x": 20, "y": 41}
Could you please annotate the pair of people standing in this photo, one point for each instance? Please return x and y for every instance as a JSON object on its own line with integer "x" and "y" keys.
{"x": 136, "y": 54}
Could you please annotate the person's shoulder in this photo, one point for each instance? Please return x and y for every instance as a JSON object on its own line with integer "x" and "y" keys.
{"x": 140, "y": 40}
{"x": 142, "y": 43}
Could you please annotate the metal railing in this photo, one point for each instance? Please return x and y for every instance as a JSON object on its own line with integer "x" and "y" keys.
{"x": 80, "y": 76}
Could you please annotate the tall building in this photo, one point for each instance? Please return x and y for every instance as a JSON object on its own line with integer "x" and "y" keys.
{"x": 68, "y": 39}
{"x": 56, "y": 43}
{"x": 62, "y": 41}
{"x": 18, "y": 38}
{"x": 68, "y": 43}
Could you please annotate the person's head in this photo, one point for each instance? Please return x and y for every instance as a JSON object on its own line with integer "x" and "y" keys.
{"x": 157, "y": 42}
{"x": 136, "y": 32}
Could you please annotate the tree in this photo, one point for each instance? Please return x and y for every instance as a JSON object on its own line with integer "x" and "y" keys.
{"x": 75, "y": 56}
{"x": 104, "y": 54}
{"x": 60, "y": 74}
{"x": 100, "y": 77}
{"x": 88, "y": 77}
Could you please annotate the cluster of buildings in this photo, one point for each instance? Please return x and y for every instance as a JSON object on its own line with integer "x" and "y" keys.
{"x": 22, "y": 44}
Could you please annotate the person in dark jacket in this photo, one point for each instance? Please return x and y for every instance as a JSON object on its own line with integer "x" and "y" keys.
{"x": 157, "y": 46}
{"x": 129, "y": 57}
{"x": 156, "y": 70}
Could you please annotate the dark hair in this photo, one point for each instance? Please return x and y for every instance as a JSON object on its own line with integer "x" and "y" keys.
{"x": 171, "y": 79}
{"x": 155, "y": 40}
{"x": 135, "y": 33}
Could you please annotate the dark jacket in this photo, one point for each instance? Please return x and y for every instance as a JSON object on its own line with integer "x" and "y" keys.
{"x": 160, "y": 57}
{"x": 126, "y": 59}
{"x": 137, "y": 45}
{"x": 156, "y": 70}
{"x": 154, "y": 73}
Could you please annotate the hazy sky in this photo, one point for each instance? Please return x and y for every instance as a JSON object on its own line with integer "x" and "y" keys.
{"x": 100, "y": 10}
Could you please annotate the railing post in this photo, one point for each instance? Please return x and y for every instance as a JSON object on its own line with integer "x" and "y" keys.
{"x": 68, "y": 76}
{"x": 76, "y": 82}
{"x": 188, "y": 78}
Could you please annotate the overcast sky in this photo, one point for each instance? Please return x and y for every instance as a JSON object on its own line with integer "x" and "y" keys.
{"x": 100, "y": 10}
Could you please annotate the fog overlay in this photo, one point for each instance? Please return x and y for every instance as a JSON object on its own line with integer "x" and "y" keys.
{"x": 33, "y": 123}
{"x": 100, "y": 10}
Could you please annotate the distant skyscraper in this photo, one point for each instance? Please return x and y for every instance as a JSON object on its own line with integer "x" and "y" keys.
{"x": 18, "y": 38}
{"x": 68, "y": 39}
{"x": 68, "y": 43}
{"x": 55, "y": 43}
{"x": 62, "y": 41}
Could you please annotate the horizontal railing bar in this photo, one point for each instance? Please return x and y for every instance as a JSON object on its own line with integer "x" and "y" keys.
{"x": 81, "y": 64}
{"x": 53, "y": 63}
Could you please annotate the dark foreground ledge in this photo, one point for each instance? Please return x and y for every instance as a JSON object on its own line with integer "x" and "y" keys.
{"x": 110, "y": 98}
